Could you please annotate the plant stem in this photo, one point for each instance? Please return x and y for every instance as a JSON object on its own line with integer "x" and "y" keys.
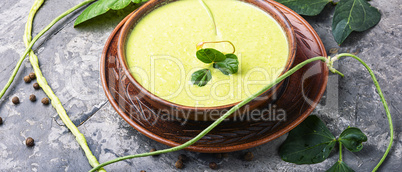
{"x": 46, "y": 88}
{"x": 28, "y": 48}
{"x": 219, "y": 120}
{"x": 211, "y": 15}
{"x": 340, "y": 151}
{"x": 391, "y": 127}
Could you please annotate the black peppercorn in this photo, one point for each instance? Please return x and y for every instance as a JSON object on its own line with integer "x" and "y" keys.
{"x": 153, "y": 150}
{"x": 27, "y": 79}
{"x": 248, "y": 156}
{"x": 179, "y": 164}
{"x": 45, "y": 101}
{"x": 32, "y": 97}
{"x": 15, "y": 100}
{"x": 183, "y": 157}
{"x": 1, "y": 121}
{"x": 213, "y": 165}
{"x": 30, "y": 142}
{"x": 36, "y": 86}
{"x": 32, "y": 76}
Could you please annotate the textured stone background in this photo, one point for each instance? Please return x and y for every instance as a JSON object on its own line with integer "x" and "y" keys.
{"x": 69, "y": 58}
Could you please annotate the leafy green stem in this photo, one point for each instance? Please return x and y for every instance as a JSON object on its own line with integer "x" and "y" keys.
{"x": 28, "y": 48}
{"x": 46, "y": 88}
{"x": 219, "y": 120}
{"x": 211, "y": 15}
{"x": 391, "y": 127}
{"x": 340, "y": 151}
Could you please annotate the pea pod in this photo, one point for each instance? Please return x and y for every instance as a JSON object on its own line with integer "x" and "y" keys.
{"x": 46, "y": 88}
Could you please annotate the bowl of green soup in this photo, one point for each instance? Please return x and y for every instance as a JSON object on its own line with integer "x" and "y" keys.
{"x": 157, "y": 49}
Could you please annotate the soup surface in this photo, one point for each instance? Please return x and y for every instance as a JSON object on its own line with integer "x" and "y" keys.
{"x": 161, "y": 51}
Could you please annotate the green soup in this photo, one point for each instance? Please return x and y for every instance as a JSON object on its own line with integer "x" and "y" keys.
{"x": 161, "y": 51}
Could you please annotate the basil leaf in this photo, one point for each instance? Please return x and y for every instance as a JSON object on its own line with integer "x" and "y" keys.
{"x": 340, "y": 167}
{"x": 309, "y": 143}
{"x": 305, "y": 7}
{"x": 229, "y": 66}
{"x": 352, "y": 138}
{"x": 101, "y": 7}
{"x": 201, "y": 77}
{"x": 353, "y": 15}
{"x": 210, "y": 55}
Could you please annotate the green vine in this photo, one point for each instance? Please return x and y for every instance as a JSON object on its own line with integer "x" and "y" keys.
{"x": 28, "y": 48}
{"x": 219, "y": 120}
{"x": 43, "y": 83}
{"x": 384, "y": 102}
{"x": 329, "y": 61}
{"x": 340, "y": 151}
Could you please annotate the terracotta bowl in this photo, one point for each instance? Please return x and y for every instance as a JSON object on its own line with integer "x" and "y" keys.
{"x": 205, "y": 113}
{"x": 306, "y": 87}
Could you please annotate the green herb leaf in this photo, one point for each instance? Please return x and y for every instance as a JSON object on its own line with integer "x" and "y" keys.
{"x": 340, "y": 167}
{"x": 353, "y": 15}
{"x": 210, "y": 55}
{"x": 229, "y": 66}
{"x": 101, "y": 7}
{"x": 352, "y": 138}
{"x": 305, "y": 7}
{"x": 201, "y": 77}
{"x": 309, "y": 143}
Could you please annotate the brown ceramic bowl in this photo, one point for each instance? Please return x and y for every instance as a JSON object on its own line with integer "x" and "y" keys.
{"x": 205, "y": 113}
{"x": 298, "y": 101}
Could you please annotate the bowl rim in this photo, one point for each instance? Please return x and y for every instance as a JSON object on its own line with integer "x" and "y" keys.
{"x": 151, "y": 5}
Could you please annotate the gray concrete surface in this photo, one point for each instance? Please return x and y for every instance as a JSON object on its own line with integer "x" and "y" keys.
{"x": 69, "y": 58}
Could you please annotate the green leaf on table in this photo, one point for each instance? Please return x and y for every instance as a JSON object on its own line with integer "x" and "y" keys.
{"x": 101, "y": 7}
{"x": 229, "y": 66}
{"x": 210, "y": 55}
{"x": 201, "y": 77}
{"x": 352, "y": 138}
{"x": 309, "y": 143}
{"x": 340, "y": 167}
{"x": 353, "y": 15}
{"x": 305, "y": 7}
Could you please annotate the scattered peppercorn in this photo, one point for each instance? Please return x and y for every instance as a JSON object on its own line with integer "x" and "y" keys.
{"x": 15, "y": 100}
{"x": 248, "y": 156}
{"x": 36, "y": 86}
{"x": 153, "y": 150}
{"x": 183, "y": 157}
{"x": 1, "y": 121}
{"x": 27, "y": 79}
{"x": 45, "y": 101}
{"x": 213, "y": 165}
{"x": 179, "y": 164}
{"x": 30, "y": 142}
{"x": 32, "y": 97}
{"x": 32, "y": 76}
